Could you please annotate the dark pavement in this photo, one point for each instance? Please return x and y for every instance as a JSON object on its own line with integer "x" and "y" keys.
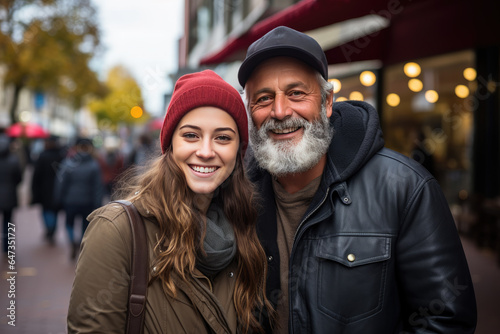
{"x": 45, "y": 275}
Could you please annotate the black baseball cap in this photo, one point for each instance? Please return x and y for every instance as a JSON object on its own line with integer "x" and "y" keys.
{"x": 287, "y": 42}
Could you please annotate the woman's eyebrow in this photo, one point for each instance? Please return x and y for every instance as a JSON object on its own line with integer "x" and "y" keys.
{"x": 194, "y": 127}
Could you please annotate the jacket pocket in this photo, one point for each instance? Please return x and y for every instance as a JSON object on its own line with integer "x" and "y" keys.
{"x": 352, "y": 275}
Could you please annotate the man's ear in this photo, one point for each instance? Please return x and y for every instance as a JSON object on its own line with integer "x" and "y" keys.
{"x": 329, "y": 104}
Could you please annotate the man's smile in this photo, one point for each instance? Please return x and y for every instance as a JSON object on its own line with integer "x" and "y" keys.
{"x": 286, "y": 130}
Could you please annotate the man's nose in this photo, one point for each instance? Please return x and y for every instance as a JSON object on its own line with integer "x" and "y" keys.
{"x": 206, "y": 150}
{"x": 281, "y": 107}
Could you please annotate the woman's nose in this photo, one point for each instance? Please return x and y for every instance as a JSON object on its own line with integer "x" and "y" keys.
{"x": 205, "y": 150}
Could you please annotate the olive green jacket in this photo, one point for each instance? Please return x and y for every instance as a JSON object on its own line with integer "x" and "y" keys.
{"x": 99, "y": 297}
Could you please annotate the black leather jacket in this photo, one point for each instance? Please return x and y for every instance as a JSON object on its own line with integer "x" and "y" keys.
{"x": 377, "y": 250}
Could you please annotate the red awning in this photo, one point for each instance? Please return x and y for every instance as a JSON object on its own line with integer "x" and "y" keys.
{"x": 418, "y": 28}
{"x": 304, "y": 16}
{"x": 424, "y": 29}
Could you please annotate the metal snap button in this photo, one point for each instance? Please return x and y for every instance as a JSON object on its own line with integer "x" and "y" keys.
{"x": 351, "y": 257}
{"x": 269, "y": 258}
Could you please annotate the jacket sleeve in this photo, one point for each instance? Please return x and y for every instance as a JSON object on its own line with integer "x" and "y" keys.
{"x": 99, "y": 297}
{"x": 437, "y": 290}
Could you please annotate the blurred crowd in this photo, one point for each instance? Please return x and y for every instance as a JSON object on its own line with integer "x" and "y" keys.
{"x": 74, "y": 177}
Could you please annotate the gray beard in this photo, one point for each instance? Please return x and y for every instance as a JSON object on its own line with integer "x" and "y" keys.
{"x": 284, "y": 157}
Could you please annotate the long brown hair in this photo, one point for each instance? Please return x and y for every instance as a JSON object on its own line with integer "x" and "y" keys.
{"x": 162, "y": 185}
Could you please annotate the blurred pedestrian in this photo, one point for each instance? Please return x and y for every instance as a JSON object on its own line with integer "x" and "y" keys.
{"x": 10, "y": 177}
{"x": 78, "y": 188}
{"x": 42, "y": 184}
{"x": 112, "y": 163}
{"x": 144, "y": 149}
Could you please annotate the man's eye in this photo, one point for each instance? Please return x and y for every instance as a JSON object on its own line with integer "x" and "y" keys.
{"x": 263, "y": 99}
{"x": 296, "y": 93}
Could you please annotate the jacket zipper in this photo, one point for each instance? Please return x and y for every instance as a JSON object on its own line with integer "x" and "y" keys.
{"x": 290, "y": 327}
{"x": 309, "y": 215}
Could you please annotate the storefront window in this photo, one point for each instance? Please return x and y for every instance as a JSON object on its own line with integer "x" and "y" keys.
{"x": 428, "y": 113}
{"x": 360, "y": 87}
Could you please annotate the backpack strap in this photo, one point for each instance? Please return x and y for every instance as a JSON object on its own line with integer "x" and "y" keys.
{"x": 139, "y": 270}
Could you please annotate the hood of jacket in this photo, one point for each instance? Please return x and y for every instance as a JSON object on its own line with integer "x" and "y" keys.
{"x": 356, "y": 139}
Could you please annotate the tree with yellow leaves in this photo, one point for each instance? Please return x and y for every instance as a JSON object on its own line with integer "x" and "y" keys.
{"x": 123, "y": 103}
{"x": 47, "y": 46}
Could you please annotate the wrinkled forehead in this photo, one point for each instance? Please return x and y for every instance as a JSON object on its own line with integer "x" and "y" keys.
{"x": 279, "y": 73}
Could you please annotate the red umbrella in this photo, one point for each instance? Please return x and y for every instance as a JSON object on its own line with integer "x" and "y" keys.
{"x": 28, "y": 130}
{"x": 156, "y": 124}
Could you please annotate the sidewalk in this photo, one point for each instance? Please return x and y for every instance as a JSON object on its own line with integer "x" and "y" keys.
{"x": 486, "y": 277}
{"x": 43, "y": 281}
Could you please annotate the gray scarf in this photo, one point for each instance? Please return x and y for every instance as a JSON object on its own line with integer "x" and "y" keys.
{"x": 219, "y": 243}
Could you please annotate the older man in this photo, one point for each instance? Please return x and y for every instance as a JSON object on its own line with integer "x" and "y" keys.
{"x": 359, "y": 238}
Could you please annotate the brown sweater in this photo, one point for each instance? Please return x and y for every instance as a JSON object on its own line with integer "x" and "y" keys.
{"x": 290, "y": 208}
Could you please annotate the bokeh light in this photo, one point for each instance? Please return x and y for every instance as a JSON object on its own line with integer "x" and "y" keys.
{"x": 356, "y": 96}
{"x": 470, "y": 74}
{"x": 25, "y": 116}
{"x": 412, "y": 69}
{"x": 462, "y": 91}
{"x": 431, "y": 96}
{"x": 393, "y": 100}
{"x": 415, "y": 85}
{"x": 336, "y": 85}
{"x": 367, "y": 78}
{"x": 136, "y": 112}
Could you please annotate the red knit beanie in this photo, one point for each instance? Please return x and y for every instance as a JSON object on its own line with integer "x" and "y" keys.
{"x": 202, "y": 89}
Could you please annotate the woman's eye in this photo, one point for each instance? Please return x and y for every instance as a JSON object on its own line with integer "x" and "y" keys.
{"x": 223, "y": 137}
{"x": 189, "y": 135}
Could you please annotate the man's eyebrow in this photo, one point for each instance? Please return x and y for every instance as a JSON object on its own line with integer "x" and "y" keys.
{"x": 261, "y": 91}
{"x": 295, "y": 85}
{"x": 287, "y": 87}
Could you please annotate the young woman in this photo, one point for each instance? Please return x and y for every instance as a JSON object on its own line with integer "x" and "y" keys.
{"x": 207, "y": 266}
